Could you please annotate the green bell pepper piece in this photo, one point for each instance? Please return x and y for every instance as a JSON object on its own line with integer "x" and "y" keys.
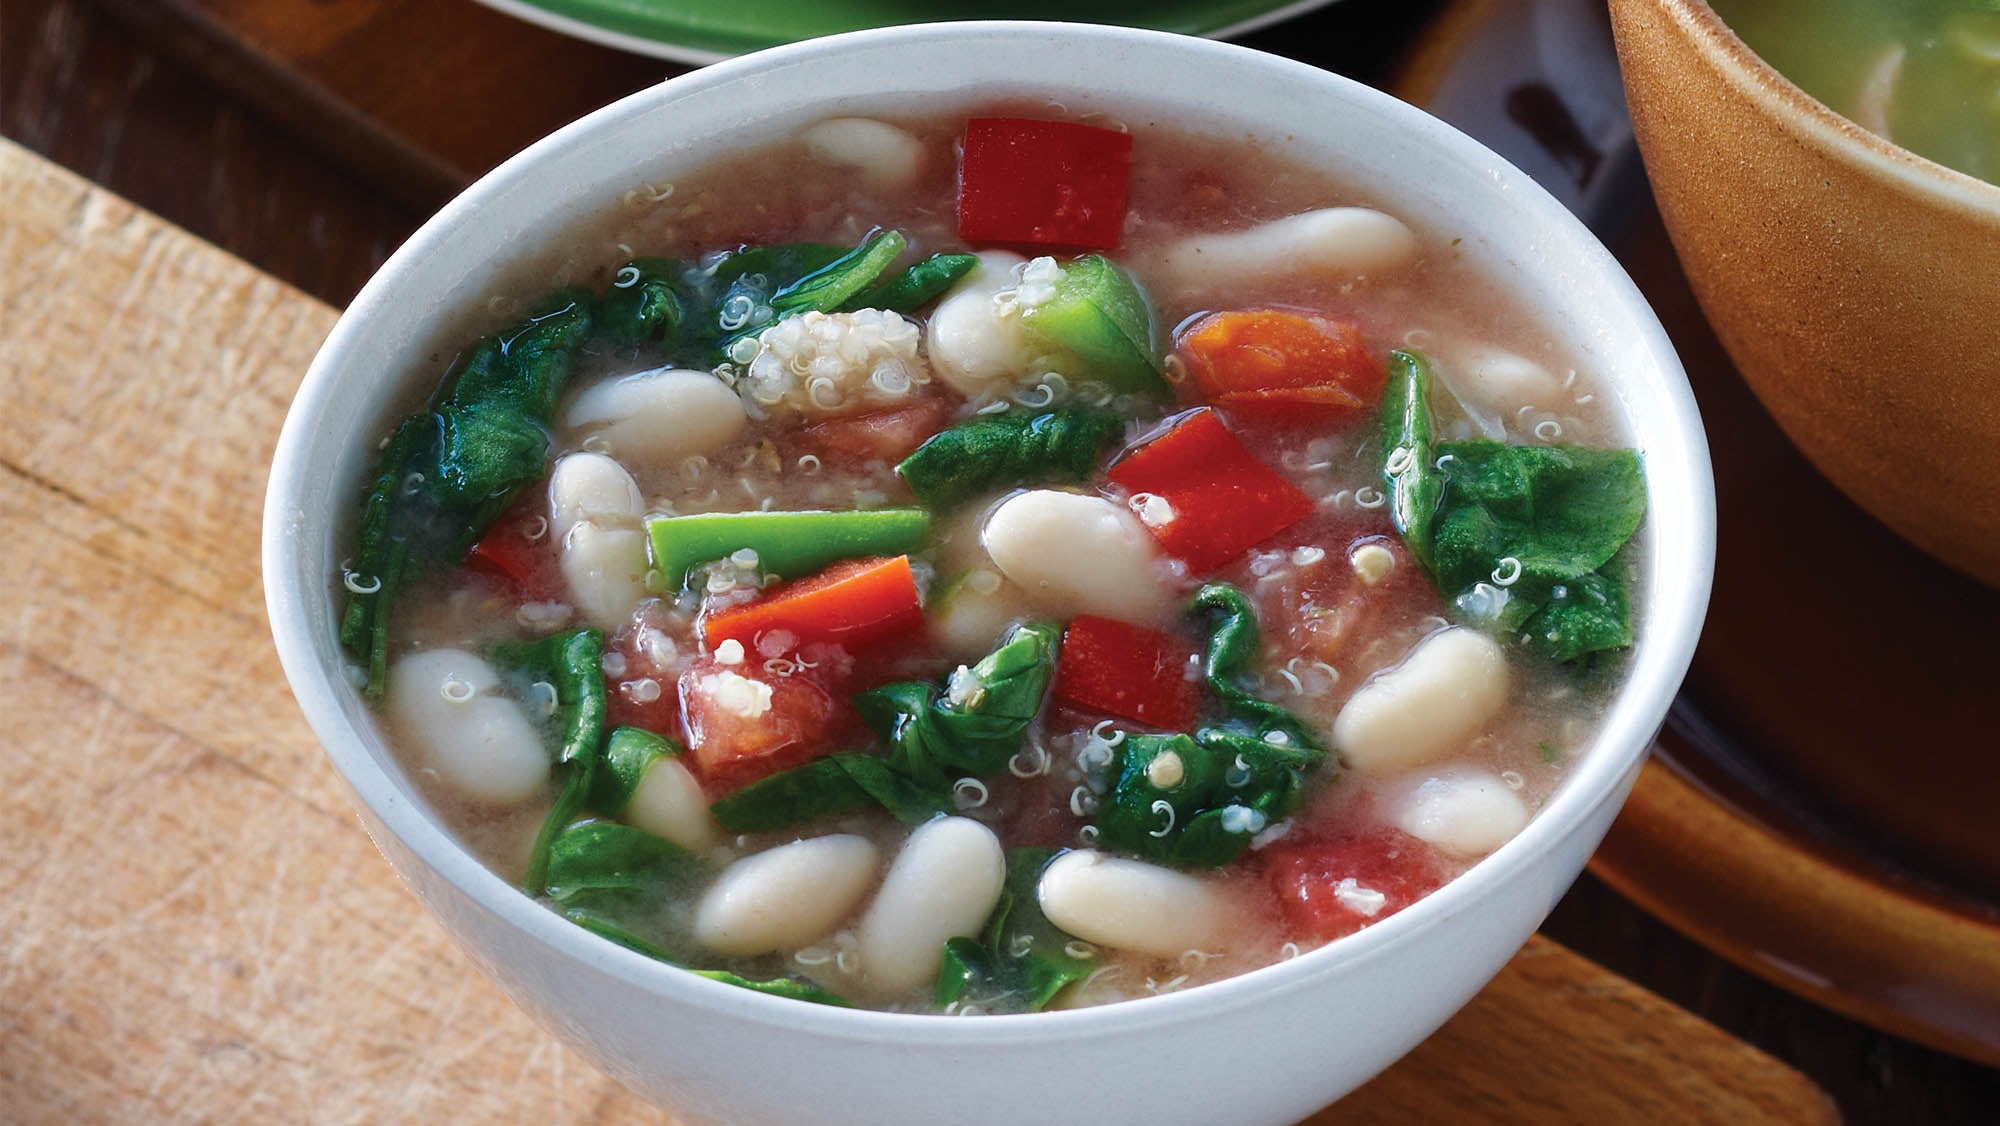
{"x": 788, "y": 544}
{"x": 1099, "y": 316}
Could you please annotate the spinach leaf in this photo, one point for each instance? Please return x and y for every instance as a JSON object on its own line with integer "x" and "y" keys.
{"x": 976, "y": 724}
{"x": 1522, "y": 539}
{"x": 1023, "y": 961}
{"x": 643, "y": 302}
{"x": 995, "y": 451}
{"x": 602, "y": 864}
{"x": 572, "y": 663}
{"x": 834, "y": 283}
{"x": 1196, "y": 801}
{"x": 628, "y": 754}
{"x": 1408, "y": 466}
{"x": 915, "y": 287}
{"x": 446, "y": 474}
{"x": 790, "y": 796}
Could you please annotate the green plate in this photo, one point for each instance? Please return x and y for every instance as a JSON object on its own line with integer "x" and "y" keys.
{"x": 703, "y": 31}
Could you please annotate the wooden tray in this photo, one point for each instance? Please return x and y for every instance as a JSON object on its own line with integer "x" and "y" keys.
{"x": 196, "y": 927}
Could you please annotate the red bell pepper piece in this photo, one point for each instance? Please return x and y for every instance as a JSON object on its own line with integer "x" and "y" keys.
{"x": 1271, "y": 363}
{"x": 1203, "y": 495}
{"x": 1128, "y": 671}
{"x": 852, "y": 604}
{"x": 517, "y": 550}
{"x": 1389, "y": 868}
{"x": 1043, "y": 183}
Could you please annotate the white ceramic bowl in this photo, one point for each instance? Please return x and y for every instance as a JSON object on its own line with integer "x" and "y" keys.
{"x": 1263, "y": 1047}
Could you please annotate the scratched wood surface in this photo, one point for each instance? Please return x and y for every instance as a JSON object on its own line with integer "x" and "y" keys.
{"x": 193, "y": 926}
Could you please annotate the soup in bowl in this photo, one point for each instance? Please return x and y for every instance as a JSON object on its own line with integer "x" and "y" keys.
{"x": 994, "y": 544}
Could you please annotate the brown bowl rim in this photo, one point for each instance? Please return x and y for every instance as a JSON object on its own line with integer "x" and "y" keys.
{"x": 1802, "y": 114}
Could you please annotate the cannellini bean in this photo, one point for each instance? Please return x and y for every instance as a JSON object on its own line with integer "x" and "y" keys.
{"x": 1337, "y": 241}
{"x": 787, "y": 896}
{"x": 593, "y": 487}
{"x": 1130, "y": 904}
{"x": 658, "y": 417}
{"x": 445, "y": 703}
{"x": 1494, "y": 385}
{"x": 1467, "y": 812}
{"x": 1073, "y": 554}
{"x": 606, "y": 571}
{"x": 973, "y": 348}
{"x": 977, "y": 609}
{"x": 668, "y": 803}
{"x": 1443, "y": 693}
{"x": 943, "y": 885}
{"x": 887, "y": 157}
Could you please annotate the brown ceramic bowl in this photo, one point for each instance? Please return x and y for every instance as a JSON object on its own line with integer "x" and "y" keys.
{"x": 1855, "y": 284}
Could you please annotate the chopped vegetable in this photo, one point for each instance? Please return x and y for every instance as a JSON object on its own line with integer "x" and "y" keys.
{"x": 788, "y": 544}
{"x": 833, "y": 284}
{"x": 642, "y": 303}
{"x": 519, "y": 552}
{"x": 572, "y": 665}
{"x": 915, "y": 287}
{"x": 1022, "y": 961}
{"x": 1409, "y": 465}
{"x": 1524, "y": 539}
{"x": 1203, "y": 495}
{"x": 976, "y": 724}
{"x": 447, "y": 474}
{"x": 1127, "y": 671}
{"x": 1042, "y": 183}
{"x": 1330, "y": 888}
{"x": 743, "y": 724}
{"x": 854, "y": 604}
{"x": 884, "y": 435}
{"x": 1098, "y": 316}
{"x": 991, "y": 452}
{"x": 834, "y": 784}
{"x": 1279, "y": 364}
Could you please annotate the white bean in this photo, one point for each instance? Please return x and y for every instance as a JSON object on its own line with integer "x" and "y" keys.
{"x": 973, "y": 348}
{"x": 1493, "y": 385}
{"x": 1467, "y": 812}
{"x": 668, "y": 803}
{"x": 593, "y": 487}
{"x": 1073, "y": 554}
{"x": 1130, "y": 904}
{"x": 445, "y": 704}
{"x": 942, "y": 885}
{"x": 606, "y": 571}
{"x": 1443, "y": 693}
{"x": 1333, "y": 241}
{"x": 887, "y": 157}
{"x": 787, "y": 896}
{"x": 658, "y": 417}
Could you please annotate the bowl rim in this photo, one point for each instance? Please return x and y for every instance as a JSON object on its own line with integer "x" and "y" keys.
{"x": 1678, "y": 470}
{"x": 1788, "y": 102}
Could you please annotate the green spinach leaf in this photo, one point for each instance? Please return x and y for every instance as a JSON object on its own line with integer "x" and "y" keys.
{"x": 1023, "y": 960}
{"x": 571, "y": 663}
{"x": 976, "y": 723}
{"x": 915, "y": 287}
{"x": 995, "y": 451}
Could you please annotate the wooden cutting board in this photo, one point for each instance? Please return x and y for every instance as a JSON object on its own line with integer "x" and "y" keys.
{"x": 193, "y": 926}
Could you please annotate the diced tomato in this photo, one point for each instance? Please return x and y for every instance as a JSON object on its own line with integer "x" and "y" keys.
{"x": 741, "y": 723}
{"x": 1204, "y": 495}
{"x": 643, "y": 692}
{"x": 1043, "y": 184}
{"x": 1275, "y": 363}
{"x": 884, "y": 435}
{"x": 1128, "y": 671}
{"x": 1310, "y": 879}
{"x": 518, "y": 552}
{"x": 1322, "y": 608}
{"x": 855, "y": 604}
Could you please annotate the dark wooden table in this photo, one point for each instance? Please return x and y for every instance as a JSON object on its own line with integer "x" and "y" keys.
{"x": 136, "y": 96}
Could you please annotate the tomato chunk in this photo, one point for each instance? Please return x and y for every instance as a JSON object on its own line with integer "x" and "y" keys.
{"x": 518, "y": 552}
{"x": 1128, "y": 671}
{"x": 741, "y": 724}
{"x": 1330, "y": 888}
{"x": 1043, "y": 184}
{"x": 884, "y": 435}
{"x": 1204, "y": 495}
{"x": 1271, "y": 362}
{"x": 855, "y": 604}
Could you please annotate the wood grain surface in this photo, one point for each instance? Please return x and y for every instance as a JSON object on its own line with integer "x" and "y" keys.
{"x": 193, "y": 927}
